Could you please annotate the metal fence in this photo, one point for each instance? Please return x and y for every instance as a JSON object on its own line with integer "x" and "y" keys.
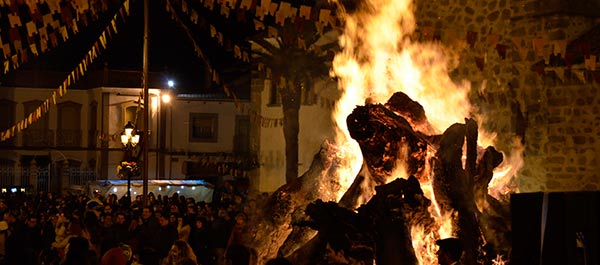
{"x": 47, "y": 178}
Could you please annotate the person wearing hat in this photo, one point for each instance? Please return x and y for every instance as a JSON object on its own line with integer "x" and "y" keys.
{"x": 449, "y": 252}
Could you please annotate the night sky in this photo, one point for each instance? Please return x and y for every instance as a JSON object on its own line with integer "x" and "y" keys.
{"x": 170, "y": 49}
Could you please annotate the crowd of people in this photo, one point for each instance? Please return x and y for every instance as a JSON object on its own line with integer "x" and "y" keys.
{"x": 51, "y": 229}
{"x": 47, "y": 228}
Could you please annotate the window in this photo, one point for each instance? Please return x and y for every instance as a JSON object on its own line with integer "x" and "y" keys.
{"x": 7, "y": 119}
{"x": 241, "y": 141}
{"x": 274, "y": 97}
{"x": 133, "y": 112}
{"x": 69, "y": 124}
{"x": 203, "y": 127}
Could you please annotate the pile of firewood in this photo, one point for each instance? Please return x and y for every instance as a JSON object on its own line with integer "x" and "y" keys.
{"x": 389, "y": 135}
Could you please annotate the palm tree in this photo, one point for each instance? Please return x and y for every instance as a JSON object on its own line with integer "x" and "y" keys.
{"x": 294, "y": 69}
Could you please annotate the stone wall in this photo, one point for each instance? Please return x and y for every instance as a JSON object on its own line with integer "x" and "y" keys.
{"x": 553, "y": 110}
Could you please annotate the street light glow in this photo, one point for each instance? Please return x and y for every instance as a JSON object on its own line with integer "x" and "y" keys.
{"x": 170, "y": 83}
{"x": 166, "y": 98}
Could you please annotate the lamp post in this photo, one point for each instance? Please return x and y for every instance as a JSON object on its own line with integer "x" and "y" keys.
{"x": 129, "y": 139}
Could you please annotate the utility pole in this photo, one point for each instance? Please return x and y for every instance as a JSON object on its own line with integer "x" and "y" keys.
{"x": 146, "y": 101}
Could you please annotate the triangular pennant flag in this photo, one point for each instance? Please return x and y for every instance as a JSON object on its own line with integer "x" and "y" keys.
{"x": 33, "y": 49}
{"x": 213, "y": 31}
{"x": 260, "y": 13}
{"x": 590, "y": 62}
{"x": 273, "y": 33}
{"x": 31, "y": 28}
{"x": 113, "y": 23}
{"x": 538, "y": 46}
{"x": 285, "y": 9}
{"x": 15, "y": 60}
{"x": 64, "y": 33}
{"x": 47, "y": 20}
{"x": 580, "y": 74}
{"x": 220, "y": 38}
{"x": 194, "y": 17}
{"x": 280, "y": 19}
{"x": 126, "y": 6}
{"x": 74, "y": 26}
{"x": 245, "y": 4}
{"x": 492, "y": 39}
{"x": 6, "y": 50}
{"x": 237, "y": 53}
{"x": 324, "y": 16}
{"x": 225, "y": 11}
{"x": 293, "y": 12}
{"x": 305, "y": 12}
{"x": 258, "y": 25}
{"x": 560, "y": 73}
{"x": 560, "y": 47}
{"x": 14, "y": 20}
{"x": 501, "y": 49}
{"x": 273, "y": 8}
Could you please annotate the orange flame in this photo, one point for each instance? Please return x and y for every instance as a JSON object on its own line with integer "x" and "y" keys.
{"x": 502, "y": 183}
{"x": 378, "y": 58}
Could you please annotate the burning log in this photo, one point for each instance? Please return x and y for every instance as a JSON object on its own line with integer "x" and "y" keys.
{"x": 390, "y": 136}
{"x": 383, "y": 224}
{"x": 386, "y": 138}
{"x": 453, "y": 186}
{"x": 272, "y": 233}
{"x": 395, "y": 132}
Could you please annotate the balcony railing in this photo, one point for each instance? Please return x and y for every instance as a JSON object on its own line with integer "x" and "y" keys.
{"x": 68, "y": 138}
{"x": 10, "y": 142}
{"x": 38, "y": 138}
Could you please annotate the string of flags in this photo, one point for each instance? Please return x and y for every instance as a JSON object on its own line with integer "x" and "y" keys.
{"x": 265, "y": 122}
{"x": 216, "y": 77}
{"x": 556, "y": 58}
{"x": 35, "y": 27}
{"x": 283, "y": 13}
{"x": 75, "y": 75}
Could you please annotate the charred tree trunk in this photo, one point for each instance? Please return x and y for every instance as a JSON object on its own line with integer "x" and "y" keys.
{"x": 453, "y": 187}
{"x": 275, "y": 230}
{"x": 386, "y": 139}
{"x": 290, "y": 98}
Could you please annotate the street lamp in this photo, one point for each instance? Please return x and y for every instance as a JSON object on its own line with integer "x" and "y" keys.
{"x": 129, "y": 139}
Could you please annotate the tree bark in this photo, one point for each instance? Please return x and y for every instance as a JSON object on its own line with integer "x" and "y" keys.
{"x": 290, "y": 98}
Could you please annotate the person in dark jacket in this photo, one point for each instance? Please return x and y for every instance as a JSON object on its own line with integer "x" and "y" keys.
{"x": 199, "y": 238}
{"x": 78, "y": 252}
{"x": 162, "y": 239}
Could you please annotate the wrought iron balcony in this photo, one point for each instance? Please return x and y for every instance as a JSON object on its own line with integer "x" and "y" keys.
{"x": 38, "y": 138}
{"x": 68, "y": 138}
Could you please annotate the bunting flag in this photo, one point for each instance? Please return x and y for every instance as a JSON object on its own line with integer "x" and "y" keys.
{"x": 36, "y": 27}
{"x": 73, "y": 77}
{"x": 215, "y": 76}
{"x": 283, "y": 12}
